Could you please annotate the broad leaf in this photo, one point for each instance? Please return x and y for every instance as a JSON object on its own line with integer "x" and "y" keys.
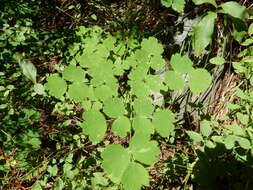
{"x": 194, "y": 136}
{"x": 28, "y": 69}
{"x": 202, "y": 34}
{"x": 115, "y": 161}
{"x": 178, "y": 5}
{"x": 217, "y": 60}
{"x": 199, "y": 80}
{"x": 114, "y": 107}
{"x": 163, "y": 122}
{"x": 143, "y": 150}
{"x": 244, "y": 143}
{"x": 73, "y": 73}
{"x": 181, "y": 64}
{"x": 94, "y": 125}
{"x": 143, "y": 106}
{"x": 56, "y": 85}
{"x": 103, "y": 92}
{"x": 142, "y": 126}
{"x": 78, "y": 91}
{"x": 152, "y": 46}
{"x": 198, "y": 2}
{"x": 235, "y": 9}
{"x": 166, "y": 3}
{"x": 121, "y": 126}
{"x": 135, "y": 176}
{"x": 174, "y": 80}
{"x": 205, "y": 128}
{"x": 250, "y": 30}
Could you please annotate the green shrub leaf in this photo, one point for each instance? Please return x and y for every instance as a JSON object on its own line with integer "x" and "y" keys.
{"x": 198, "y": 2}
{"x": 114, "y": 107}
{"x": 199, "y": 80}
{"x": 178, "y": 5}
{"x": 121, "y": 126}
{"x": 205, "y": 128}
{"x": 94, "y": 125}
{"x": 143, "y": 106}
{"x": 202, "y": 34}
{"x": 135, "y": 176}
{"x": 217, "y": 60}
{"x": 234, "y": 9}
{"x": 181, "y": 64}
{"x": 142, "y": 126}
{"x": 143, "y": 150}
{"x": 115, "y": 161}
{"x": 28, "y": 69}
{"x": 163, "y": 122}
{"x": 56, "y": 85}
{"x": 78, "y": 91}
{"x": 174, "y": 80}
{"x": 195, "y": 136}
{"x": 73, "y": 73}
{"x": 166, "y": 3}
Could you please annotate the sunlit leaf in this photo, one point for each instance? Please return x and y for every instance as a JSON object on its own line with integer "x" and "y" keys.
{"x": 73, "y": 73}
{"x": 56, "y": 85}
{"x": 203, "y": 32}
{"x": 28, "y": 69}
{"x": 114, "y": 107}
{"x": 199, "y": 80}
{"x": 115, "y": 161}
{"x": 144, "y": 150}
{"x": 198, "y": 2}
{"x": 163, "y": 122}
{"x": 94, "y": 125}
{"x": 235, "y": 9}
{"x": 135, "y": 176}
{"x": 121, "y": 126}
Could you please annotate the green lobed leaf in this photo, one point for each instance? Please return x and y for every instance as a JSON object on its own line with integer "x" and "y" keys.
{"x": 229, "y": 141}
{"x": 166, "y": 3}
{"x": 244, "y": 143}
{"x": 115, "y": 161}
{"x": 174, "y": 80}
{"x": 143, "y": 106}
{"x": 143, "y": 126}
{"x": 243, "y": 118}
{"x": 94, "y": 125}
{"x": 235, "y": 129}
{"x": 114, "y": 107}
{"x": 56, "y": 85}
{"x": 199, "y": 80}
{"x": 202, "y": 34}
{"x": 103, "y": 92}
{"x": 250, "y": 29}
{"x": 181, "y": 64}
{"x": 163, "y": 122}
{"x": 121, "y": 126}
{"x": 135, "y": 176}
{"x": 28, "y": 69}
{"x": 195, "y": 136}
{"x": 78, "y": 91}
{"x": 235, "y": 9}
{"x": 144, "y": 150}
{"x": 152, "y": 46}
{"x": 73, "y": 73}
{"x": 198, "y": 2}
{"x": 217, "y": 60}
{"x": 205, "y": 128}
{"x": 178, "y": 5}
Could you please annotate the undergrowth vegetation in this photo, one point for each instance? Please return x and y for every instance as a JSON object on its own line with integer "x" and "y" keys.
{"x": 126, "y": 94}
